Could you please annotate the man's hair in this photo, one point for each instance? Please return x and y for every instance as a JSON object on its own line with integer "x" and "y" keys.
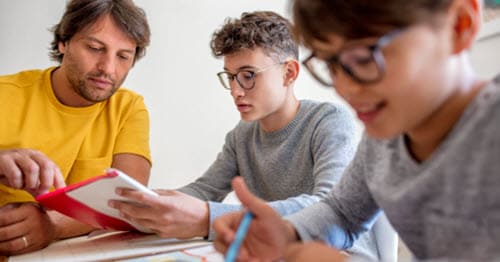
{"x": 263, "y": 29}
{"x": 80, "y": 14}
{"x": 316, "y": 19}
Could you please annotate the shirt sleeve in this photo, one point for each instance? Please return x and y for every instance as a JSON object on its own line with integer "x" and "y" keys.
{"x": 346, "y": 212}
{"x": 133, "y": 137}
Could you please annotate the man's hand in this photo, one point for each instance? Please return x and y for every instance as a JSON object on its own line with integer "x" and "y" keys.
{"x": 24, "y": 227}
{"x": 267, "y": 236}
{"x": 172, "y": 214}
{"x": 30, "y": 170}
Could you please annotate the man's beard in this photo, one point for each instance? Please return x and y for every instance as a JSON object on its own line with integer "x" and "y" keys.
{"x": 85, "y": 92}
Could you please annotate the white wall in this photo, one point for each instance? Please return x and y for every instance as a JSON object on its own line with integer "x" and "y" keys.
{"x": 486, "y": 51}
{"x": 190, "y": 111}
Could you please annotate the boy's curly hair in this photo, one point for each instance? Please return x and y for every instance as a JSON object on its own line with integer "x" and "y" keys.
{"x": 263, "y": 29}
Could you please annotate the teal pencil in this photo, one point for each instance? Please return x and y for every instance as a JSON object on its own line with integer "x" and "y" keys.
{"x": 233, "y": 249}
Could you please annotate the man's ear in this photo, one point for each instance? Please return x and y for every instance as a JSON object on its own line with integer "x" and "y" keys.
{"x": 292, "y": 69}
{"x": 467, "y": 22}
{"x": 61, "y": 46}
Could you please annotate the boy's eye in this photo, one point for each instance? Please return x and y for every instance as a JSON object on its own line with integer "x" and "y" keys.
{"x": 362, "y": 61}
{"x": 247, "y": 74}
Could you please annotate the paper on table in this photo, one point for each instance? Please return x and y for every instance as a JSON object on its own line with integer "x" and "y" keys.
{"x": 112, "y": 246}
{"x": 196, "y": 254}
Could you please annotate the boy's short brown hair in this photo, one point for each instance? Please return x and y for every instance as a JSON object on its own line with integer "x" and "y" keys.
{"x": 263, "y": 29}
{"x": 316, "y": 19}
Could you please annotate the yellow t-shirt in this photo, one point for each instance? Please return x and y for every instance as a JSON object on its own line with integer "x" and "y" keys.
{"x": 81, "y": 141}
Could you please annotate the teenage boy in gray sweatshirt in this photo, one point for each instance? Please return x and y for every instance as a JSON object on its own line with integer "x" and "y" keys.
{"x": 289, "y": 152}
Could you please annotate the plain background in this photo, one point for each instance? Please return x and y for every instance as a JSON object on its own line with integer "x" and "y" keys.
{"x": 190, "y": 111}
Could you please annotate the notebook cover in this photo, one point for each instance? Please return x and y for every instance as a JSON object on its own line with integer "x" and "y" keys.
{"x": 87, "y": 201}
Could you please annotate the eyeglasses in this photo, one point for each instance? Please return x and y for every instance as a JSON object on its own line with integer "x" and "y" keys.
{"x": 364, "y": 63}
{"x": 245, "y": 77}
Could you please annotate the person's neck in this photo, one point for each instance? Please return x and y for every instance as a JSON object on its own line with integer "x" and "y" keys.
{"x": 282, "y": 117}
{"x": 63, "y": 91}
{"x": 424, "y": 140}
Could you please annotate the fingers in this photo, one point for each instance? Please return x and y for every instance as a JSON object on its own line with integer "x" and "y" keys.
{"x": 30, "y": 167}
{"x": 10, "y": 171}
{"x": 48, "y": 174}
{"x": 257, "y": 206}
{"x": 140, "y": 213}
{"x": 141, "y": 220}
{"x": 58, "y": 178}
{"x": 222, "y": 247}
{"x": 31, "y": 230}
{"x": 135, "y": 195}
{"x": 129, "y": 209}
{"x": 145, "y": 216}
{"x": 172, "y": 214}
{"x": 226, "y": 227}
{"x": 165, "y": 192}
{"x": 14, "y": 246}
{"x": 30, "y": 170}
{"x": 8, "y": 215}
{"x": 138, "y": 199}
{"x": 11, "y": 229}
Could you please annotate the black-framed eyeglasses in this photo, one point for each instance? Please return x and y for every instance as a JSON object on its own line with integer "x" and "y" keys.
{"x": 364, "y": 63}
{"x": 244, "y": 77}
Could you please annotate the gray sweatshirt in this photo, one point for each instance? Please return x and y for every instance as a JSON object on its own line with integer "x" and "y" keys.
{"x": 292, "y": 168}
{"x": 447, "y": 207}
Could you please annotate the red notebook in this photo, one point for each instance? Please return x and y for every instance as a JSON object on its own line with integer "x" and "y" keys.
{"x": 87, "y": 201}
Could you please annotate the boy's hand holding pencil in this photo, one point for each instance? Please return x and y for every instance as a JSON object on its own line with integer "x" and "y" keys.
{"x": 267, "y": 235}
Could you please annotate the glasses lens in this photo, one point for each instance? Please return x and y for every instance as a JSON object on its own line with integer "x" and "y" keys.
{"x": 320, "y": 70}
{"x": 225, "y": 79}
{"x": 246, "y": 79}
{"x": 360, "y": 63}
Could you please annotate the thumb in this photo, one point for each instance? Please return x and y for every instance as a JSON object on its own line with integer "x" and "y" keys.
{"x": 255, "y": 205}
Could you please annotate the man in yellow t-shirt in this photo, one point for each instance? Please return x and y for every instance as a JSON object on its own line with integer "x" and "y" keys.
{"x": 67, "y": 123}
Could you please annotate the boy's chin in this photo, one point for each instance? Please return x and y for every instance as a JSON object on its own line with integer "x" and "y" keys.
{"x": 381, "y": 133}
{"x": 248, "y": 118}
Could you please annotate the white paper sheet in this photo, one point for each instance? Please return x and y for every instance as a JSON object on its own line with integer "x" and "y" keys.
{"x": 108, "y": 247}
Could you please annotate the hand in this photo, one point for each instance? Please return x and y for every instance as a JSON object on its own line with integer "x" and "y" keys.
{"x": 30, "y": 170}
{"x": 24, "y": 227}
{"x": 313, "y": 251}
{"x": 268, "y": 234}
{"x": 172, "y": 214}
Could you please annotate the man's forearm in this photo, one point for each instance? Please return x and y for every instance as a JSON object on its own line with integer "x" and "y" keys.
{"x": 66, "y": 227}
